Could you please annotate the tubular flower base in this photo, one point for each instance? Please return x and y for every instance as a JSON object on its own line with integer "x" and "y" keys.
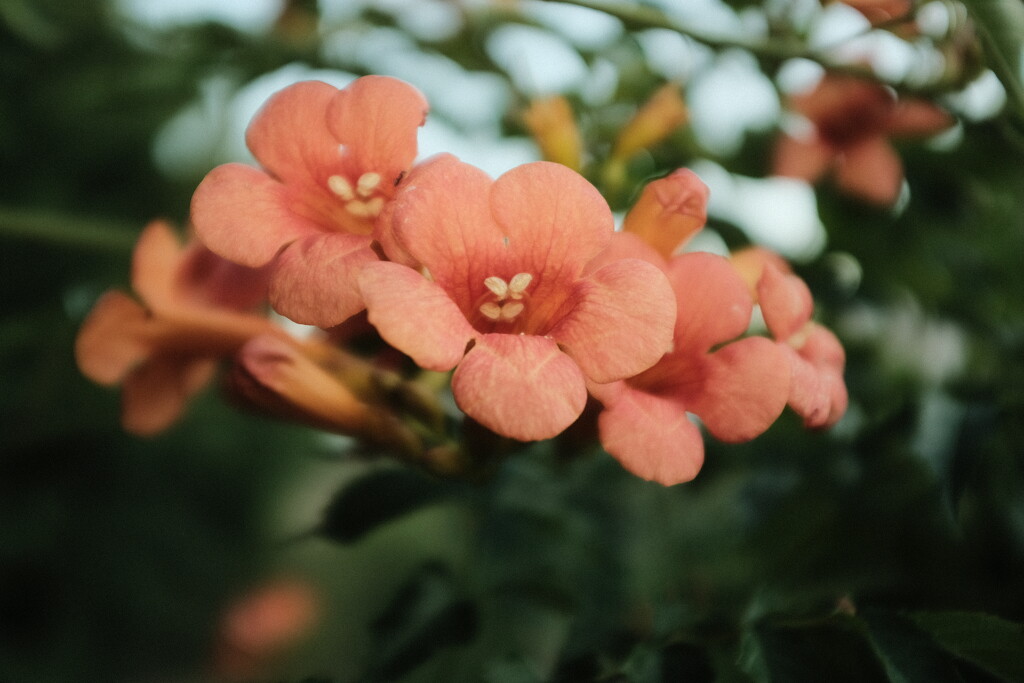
{"x": 502, "y": 295}
{"x": 853, "y": 120}
{"x": 164, "y": 350}
{"x": 331, "y": 161}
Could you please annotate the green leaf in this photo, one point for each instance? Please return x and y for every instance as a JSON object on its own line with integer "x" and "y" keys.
{"x": 380, "y": 497}
{"x": 908, "y": 653}
{"x": 994, "y": 644}
{"x": 1000, "y": 25}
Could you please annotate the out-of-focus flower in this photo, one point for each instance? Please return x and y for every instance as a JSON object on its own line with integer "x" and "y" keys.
{"x": 502, "y": 293}
{"x": 331, "y": 161}
{"x": 737, "y": 388}
{"x": 550, "y": 121}
{"x": 658, "y": 118}
{"x": 853, "y": 120}
{"x": 816, "y": 357}
{"x": 165, "y": 349}
{"x": 669, "y": 212}
{"x": 261, "y": 626}
{"x": 880, "y": 11}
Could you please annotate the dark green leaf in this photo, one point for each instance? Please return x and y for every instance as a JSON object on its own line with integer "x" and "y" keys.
{"x": 908, "y": 654}
{"x": 994, "y": 644}
{"x": 1000, "y": 24}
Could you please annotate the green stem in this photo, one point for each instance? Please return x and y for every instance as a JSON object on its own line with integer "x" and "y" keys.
{"x": 66, "y": 230}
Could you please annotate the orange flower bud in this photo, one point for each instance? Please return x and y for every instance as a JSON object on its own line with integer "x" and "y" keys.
{"x": 552, "y": 125}
{"x": 669, "y": 212}
{"x": 652, "y": 123}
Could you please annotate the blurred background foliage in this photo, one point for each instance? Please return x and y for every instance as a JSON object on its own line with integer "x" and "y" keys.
{"x": 891, "y": 548}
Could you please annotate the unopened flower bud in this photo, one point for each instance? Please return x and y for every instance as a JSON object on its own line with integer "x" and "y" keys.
{"x": 552, "y": 125}
{"x": 658, "y": 118}
{"x": 669, "y": 212}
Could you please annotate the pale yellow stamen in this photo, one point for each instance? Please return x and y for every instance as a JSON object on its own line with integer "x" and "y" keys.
{"x": 491, "y": 310}
{"x": 367, "y": 183}
{"x": 373, "y": 206}
{"x": 341, "y": 187}
{"x": 518, "y": 285}
{"x": 498, "y": 286}
{"x": 511, "y": 310}
{"x": 358, "y": 209}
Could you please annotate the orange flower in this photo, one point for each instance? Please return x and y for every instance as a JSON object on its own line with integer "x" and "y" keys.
{"x": 331, "y": 161}
{"x": 881, "y": 11}
{"x": 164, "y": 350}
{"x": 669, "y": 212}
{"x": 552, "y": 125}
{"x": 853, "y": 120}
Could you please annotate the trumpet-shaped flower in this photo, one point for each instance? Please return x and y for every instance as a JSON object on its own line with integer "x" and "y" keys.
{"x": 815, "y": 355}
{"x": 852, "y": 122}
{"x": 669, "y": 212}
{"x": 331, "y": 160}
{"x": 164, "y": 350}
{"x": 737, "y": 388}
{"x": 502, "y": 293}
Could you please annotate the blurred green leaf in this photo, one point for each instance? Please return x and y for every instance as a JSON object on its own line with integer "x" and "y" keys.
{"x": 994, "y": 644}
{"x": 1000, "y": 23}
{"x": 909, "y": 654}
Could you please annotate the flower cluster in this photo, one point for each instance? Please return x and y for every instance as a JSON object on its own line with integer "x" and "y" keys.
{"x": 518, "y": 286}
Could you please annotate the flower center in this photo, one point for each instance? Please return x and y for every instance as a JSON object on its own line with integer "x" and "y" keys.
{"x": 507, "y": 303}
{"x": 362, "y": 200}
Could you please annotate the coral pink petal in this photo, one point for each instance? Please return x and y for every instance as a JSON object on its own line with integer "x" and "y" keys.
{"x": 155, "y": 262}
{"x": 872, "y": 171}
{"x": 243, "y": 215}
{"x": 415, "y": 315}
{"x": 110, "y": 342}
{"x": 289, "y": 135}
{"x": 520, "y": 386}
{"x": 805, "y": 159}
{"x": 315, "y": 280}
{"x": 625, "y": 245}
{"x": 376, "y": 118}
{"x": 739, "y": 390}
{"x": 786, "y": 302}
{"x": 713, "y": 303}
{"x": 823, "y": 351}
{"x": 622, "y": 321}
{"x": 442, "y": 218}
{"x": 155, "y": 394}
{"x": 918, "y": 118}
{"x": 652, "y": 437}
{"x": 810, "y": 393}
{"x": 552, "y": 221}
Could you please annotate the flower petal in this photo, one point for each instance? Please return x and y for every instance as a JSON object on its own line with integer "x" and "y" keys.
{"x": 819, "y": 393}
{"x": 156, "y": 393}
{"x": 315, "y": 280}
{"x": 786, "y": 302}
{"x": 670, "y": 211}
{"x": 110, "y": 342}
{"x": 520, "y": 386}
{"x": 652, "y": 437}
{"x": 803, "y": 158}
{"x": 155, "y": 262}
{"x": 289, "y": 135}
{"x": 713, "y": 303}
{"x": 622, "y": 321}
{"x": 243, "y": 215}
{"x": 918, "y": 118}
{"x": 739, "y": 390}
{"x": 376, "y": 118}
{"x": 415, "y": 315}
{"x": 872, "y": 171}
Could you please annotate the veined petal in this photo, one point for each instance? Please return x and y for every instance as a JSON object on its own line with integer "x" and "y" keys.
{"x": 376, "y": 118}
{"x": 625, "y": 245}
{"x": 315, "y": 280}
{"x": 786, "y": 302}
{"x": 110, "y": 342}
{"x": 156, "y": 393}
{"x": 871, "y": 170}
{"x": 289, "y": 135}
{"x": 652, "y": 437}
{"x": 414, "y": 315}
{"x": 552, "y": 221}
{"x": 713, "y": 302}
{"x": 739, "y": 390}
{"x": 243, "y": 215}
{"x": 520, "y": 386}
{"x": 622, "y": 320}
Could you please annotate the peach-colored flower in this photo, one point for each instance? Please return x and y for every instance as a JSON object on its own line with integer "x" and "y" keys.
{"x": 738, "y": 387}
{"x": 260, "y": 626}
{"x": 853, "y": 120}
{"x": 881, "y": 11}
{"x": 816, "y": 357}
{"x": 502, "y": 293}
{"x": 669, "y": 212}
{"x": 164, "y": 350}
{"x": 331, "y": 160}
